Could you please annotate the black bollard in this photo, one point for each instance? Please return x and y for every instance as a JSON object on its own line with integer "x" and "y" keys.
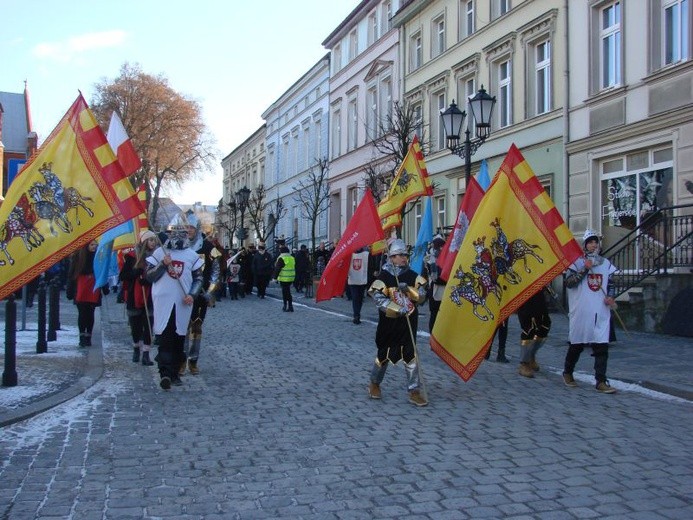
{"x": 41, "y": 345}
{"x": 9, "y": 375}
{"x": 53, "y": 310}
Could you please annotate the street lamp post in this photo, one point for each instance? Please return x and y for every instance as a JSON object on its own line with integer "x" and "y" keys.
{"x": 481, "y": 106}
{"x": 242, "y": 198}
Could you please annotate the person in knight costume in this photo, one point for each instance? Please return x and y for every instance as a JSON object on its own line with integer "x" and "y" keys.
{"x": 211, "y": 278}
{"x": 436, "y": 283}
{"x": 590, "y": 299}
{"x": 397, "y": 291}
{"x": 176, "y": 274}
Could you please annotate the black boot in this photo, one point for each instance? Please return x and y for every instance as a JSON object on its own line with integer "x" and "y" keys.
{"x": 136, "y": 355}
{"x": 87, "y": 340}
{"x": 81, "y": 339}
{"x": 145, "y": 359}
{"x": 291, "y": 307}
{"x": 501, "y": 355}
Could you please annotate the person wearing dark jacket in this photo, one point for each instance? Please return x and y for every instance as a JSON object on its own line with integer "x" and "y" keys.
{"x": 262, "y": 269}
{"x": 302, "y": 269}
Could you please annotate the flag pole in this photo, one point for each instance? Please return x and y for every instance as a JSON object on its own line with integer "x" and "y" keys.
{"x": 416, "y": 353}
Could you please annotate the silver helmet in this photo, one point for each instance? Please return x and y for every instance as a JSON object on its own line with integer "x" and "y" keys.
{"x": 397, "y": 247}
{"x": 177, "y": 231}
{"x": 589, "y": 235}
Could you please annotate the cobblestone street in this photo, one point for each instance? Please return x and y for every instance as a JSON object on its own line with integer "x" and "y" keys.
{"x": 278, "y": 425}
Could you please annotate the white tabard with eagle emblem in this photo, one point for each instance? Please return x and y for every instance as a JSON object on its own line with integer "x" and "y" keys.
{"x": 589, "y": 315}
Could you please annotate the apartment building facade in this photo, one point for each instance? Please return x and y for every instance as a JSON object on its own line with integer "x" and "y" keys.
{"x": 364, "y": 83}
{"x": 516, "y": 51}
{"x": 297, "y": 138}
{"x": 244, "y": 167}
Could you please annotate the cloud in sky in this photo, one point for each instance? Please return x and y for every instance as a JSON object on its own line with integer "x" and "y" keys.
{"x": 74, "y": 47}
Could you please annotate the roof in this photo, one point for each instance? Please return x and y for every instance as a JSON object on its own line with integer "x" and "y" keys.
{"x": 15, "y": 127}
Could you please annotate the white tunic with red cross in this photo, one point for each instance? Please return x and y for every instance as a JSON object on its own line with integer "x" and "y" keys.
{"x": 589, "y": 315}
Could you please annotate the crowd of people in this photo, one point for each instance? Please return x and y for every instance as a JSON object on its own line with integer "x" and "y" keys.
{"x": 170, "y": 280}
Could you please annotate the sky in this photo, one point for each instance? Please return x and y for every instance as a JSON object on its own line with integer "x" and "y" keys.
{"x": 234, "y": 57}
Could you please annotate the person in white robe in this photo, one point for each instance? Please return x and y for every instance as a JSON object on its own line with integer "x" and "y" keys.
{"x": 590, "y": 300}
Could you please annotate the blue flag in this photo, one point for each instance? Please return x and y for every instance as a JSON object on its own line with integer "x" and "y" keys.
{"x": 103, "y": 259}
{"x": 482, "y": 177}
{"x": 423, "y": 239}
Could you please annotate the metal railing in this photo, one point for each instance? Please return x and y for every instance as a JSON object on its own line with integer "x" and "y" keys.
{"x": 663, "y": 241}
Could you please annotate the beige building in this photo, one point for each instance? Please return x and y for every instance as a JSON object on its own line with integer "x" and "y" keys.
{"x": 244, "y": 167}
{"x": 449, "y": 49}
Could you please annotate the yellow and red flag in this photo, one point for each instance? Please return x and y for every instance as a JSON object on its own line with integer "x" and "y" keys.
{"x": 516, "y": 244}
{"x": 411, "y": 181}
{"x": 68, "y": 194}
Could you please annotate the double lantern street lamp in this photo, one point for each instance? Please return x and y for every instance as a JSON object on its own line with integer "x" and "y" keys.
{"x": 241, "y": 203}
{"x": 481, "y": 105}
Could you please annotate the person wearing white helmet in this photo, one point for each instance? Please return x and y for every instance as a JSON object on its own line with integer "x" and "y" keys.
{"x": 590, "y": 299}
{"x": 397, "y": 291}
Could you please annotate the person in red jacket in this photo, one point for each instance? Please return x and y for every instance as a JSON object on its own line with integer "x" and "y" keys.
{"x": 138, "y": 295}
{"x": 80, "y": 288}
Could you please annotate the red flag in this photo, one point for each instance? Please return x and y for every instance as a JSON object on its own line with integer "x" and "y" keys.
{"x": 363, "y": 229}
{"x": 122, "y": 146}
{"x": 470, "y": 202}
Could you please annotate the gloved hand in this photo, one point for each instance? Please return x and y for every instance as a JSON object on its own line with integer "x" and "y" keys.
{"x": 211, "y": 301}
{"x": 402, "y": 311}
{"x": 403, "y": 287}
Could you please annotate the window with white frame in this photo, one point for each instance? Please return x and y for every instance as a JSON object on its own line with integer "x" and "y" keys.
{"x": 675, "y": 31}
{"x": 418, "y": 216}
{"x": 438, "y": 130}
{"x": 336, "y": 137}
{"x": 306, "y": 147}
{"x": 352, "y": 124}
{"x": 337, "y": 58}
{"x": 610, "y": 45}
{"x": 317, "y": 151}
{"x": 285, "y": 159}
{"x": 352, "y": 201}
{"x": 372, "y": 111}
{"x": 540, "y": 85}
{"x": 353, "y": 44}
{"x": 385, "y": 108}
{"x": 503, "y": 71}
{"x": 633, "y": 187}
{"x": 418, "y": 120}
{"x": 499, "y": 8}
{"x": 385, "y": 16}
{"x": 440, "y": 218}
{"x": 415, "y": 51}
{"x": 466, "y": 88}
{"x": 294, "y": 153}
{"x": 438, "y": 36}
{"x": 467, "y": 19}
{"x": 373, "y": 28}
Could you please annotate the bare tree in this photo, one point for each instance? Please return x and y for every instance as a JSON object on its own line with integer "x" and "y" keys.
{"x": 227, "y": 218}
{"x": 396, "y": 133}
{"x": 165, "y": 127}
{"x": 312, "y": 194}
{"x": 264, "y": 216}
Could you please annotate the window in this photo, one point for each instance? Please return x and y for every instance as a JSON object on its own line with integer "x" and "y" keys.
{"x": 440, "y": 221}
{"x": 610, "y": 45}
{"x": 633, "y": 188}
{"x": 385, "y": 111}
{"x": 385, "y": 15}
{"x": 336, "y": 133}
{"x": 352, "y": 124}
{"x": 466, "y": 88}
{"x": 373, "y": 28}
{"x": 352, "y": 201}
{"x": 294, "y": 154}
{"x": 353, "y": 45}
{"x": 467, "y": 25}
{"x": 337, "y": 58}
{"x": 675, "y": 31}
{"x": 306, "y": 147}
{"x": 415, "y": 51}
{"x": 499, "y": 8}
{"x": 438, "y": 130}
{"x": 418, "y": 120}
{"x": 542, "y": 77}
{"x": 317, "y": 154}
{"x": 438, "y": 36}
{"x": 372, "y": 112}
{"x": 282, "y": 174}
{"x": 418, "y": 216}
{"x": 505, "y": 103}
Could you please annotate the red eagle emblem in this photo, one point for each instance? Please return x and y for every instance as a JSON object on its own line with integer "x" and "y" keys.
{"x": 594, "y": 282}
{"x": 175, "y": 269}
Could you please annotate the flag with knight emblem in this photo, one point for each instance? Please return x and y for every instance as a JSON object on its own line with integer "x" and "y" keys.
{"x": 68, "y": 194}
{"x": 517, "y": 242}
